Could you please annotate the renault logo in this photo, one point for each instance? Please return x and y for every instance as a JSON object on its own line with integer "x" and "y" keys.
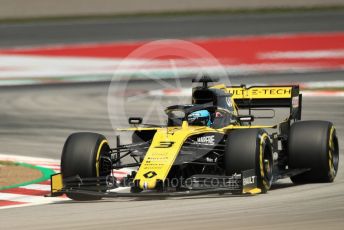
{"x": 150, "y": 174}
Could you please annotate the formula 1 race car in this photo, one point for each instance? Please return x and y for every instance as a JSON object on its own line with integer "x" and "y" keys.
{"x": 208, "y": 146}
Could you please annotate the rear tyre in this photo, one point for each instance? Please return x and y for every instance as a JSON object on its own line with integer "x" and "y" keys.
{"x": 81, "y": 155}
{"x": 313, "y": 145}
{"x": 250, "y": 149}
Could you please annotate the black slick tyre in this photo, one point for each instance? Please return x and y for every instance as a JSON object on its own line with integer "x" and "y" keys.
{"x": 250, "y": 149}
{"x": 81, "y": 155}
{"x": 313, "y": 145}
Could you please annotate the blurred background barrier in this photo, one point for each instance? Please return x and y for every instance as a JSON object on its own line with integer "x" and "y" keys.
{"x": 21, "y": 9}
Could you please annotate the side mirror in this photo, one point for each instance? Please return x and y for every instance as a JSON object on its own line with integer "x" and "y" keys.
{"x": 246, "y": 118}
{"x": 135, "y": 120}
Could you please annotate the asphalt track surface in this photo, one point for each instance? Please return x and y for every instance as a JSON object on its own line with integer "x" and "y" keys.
{"x": 35, "y": 121}
{"x": 103, "y": 30}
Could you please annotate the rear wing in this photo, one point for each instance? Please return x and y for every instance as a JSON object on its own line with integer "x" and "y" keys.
{"x": 287, "y": 96}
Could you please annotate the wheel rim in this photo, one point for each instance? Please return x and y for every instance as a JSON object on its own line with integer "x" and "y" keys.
{"x": 267, "y": 166}
{"x": 266, "y": 162}
{"x": 103, "y": 161}
{"x": 333, "y": 154}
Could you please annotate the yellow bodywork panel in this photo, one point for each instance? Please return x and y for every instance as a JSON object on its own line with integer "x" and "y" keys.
{"x": 252, "y": 191}
{"x": 229, "y": 127}
{"x": 138, "y": 128}
{"x": 162, "y": 153}
{"x": 56, "y": 183}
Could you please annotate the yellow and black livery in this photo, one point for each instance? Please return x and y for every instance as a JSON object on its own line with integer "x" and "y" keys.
{"x": 231, "y": 154}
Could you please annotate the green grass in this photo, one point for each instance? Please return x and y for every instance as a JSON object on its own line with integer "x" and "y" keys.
{"x": 178, "y": 13}
{"x": 46, "y": 173}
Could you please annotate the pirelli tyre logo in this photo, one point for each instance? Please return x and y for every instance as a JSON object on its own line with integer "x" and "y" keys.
{"x": 150, "y": 174}
{"x": 206, "y": 140}
{"x": 295, "y": 102}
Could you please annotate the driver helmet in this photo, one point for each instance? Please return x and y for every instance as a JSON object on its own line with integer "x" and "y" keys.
{"x": 221, "y": 112}
{"x": 199, "y": 118}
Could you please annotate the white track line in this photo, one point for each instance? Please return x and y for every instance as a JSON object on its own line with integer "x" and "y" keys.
{"x": 41, "y": 187}
{"x": 28, "y": 198}
{"x": 312, "y": 54}
{"x": 26, "y": 67}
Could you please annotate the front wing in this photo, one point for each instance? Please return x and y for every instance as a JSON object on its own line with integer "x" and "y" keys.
{"x": 202, "y": 184}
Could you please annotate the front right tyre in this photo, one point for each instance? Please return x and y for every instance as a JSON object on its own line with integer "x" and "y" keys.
{"x": 81, "y": 156}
